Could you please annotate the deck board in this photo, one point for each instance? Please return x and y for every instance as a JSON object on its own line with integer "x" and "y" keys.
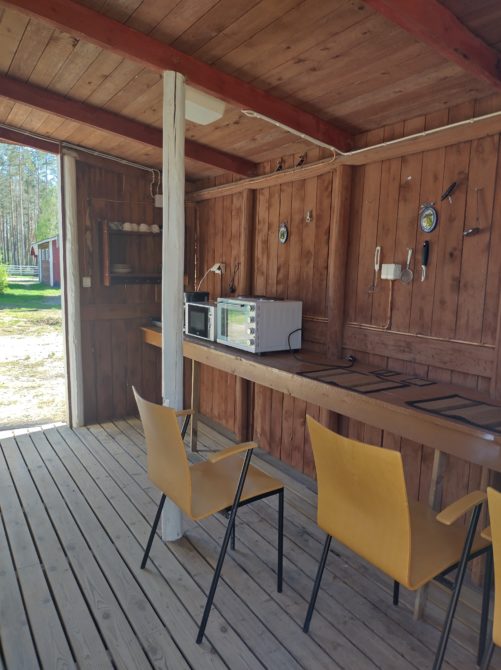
{"x": 76, "y": 509}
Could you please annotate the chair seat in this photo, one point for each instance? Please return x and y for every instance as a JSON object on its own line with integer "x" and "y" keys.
{"x": 214, "y": 485}
{"x": 435, "y": 547}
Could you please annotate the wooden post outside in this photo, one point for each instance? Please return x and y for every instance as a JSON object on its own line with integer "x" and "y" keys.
{"x": 173, "y": 264}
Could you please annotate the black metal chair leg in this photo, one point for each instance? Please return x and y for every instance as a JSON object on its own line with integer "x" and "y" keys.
{"x": 487, "y": 656}
{"x": 461, "y": 570}
{"x": 280, "y": 545}
{"x": 233, "y": 536}
{"x": 153, "y": 531}
{"x": 224, "y": 547}
{"x": 316, "y": 585}
{"x": 485, "y": 605}
{"x": 396, "y": 592}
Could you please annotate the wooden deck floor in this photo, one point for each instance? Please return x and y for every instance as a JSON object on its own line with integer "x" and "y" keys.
{"x": 76, "y": 508}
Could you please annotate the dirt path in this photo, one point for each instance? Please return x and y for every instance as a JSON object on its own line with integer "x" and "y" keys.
{"x": 32, "y": 378}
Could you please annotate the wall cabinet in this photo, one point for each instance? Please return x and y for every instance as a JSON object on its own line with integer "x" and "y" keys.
{"x": 130, "y": 257}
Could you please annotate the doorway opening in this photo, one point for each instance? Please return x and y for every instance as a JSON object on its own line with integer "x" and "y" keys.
{"x": 32, "y": 367}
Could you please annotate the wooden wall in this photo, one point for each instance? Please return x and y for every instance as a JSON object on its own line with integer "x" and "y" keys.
{"x": 445, "y": 328}
{"x": 114, "y": 357}
{"x": 296, "y": 270}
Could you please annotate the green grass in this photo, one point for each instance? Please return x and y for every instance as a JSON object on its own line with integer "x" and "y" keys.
{"x": 30, "y": 296}
{"x": 29, "y": 308}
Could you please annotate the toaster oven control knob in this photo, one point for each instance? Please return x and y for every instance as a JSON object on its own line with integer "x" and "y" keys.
{"x": 250, "y": 343}
{"x": 252, "y": 319}
{"x": 252, "y": 308}
{"x": 251, "y": 331}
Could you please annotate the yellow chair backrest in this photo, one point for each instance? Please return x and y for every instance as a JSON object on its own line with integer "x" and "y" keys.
{"x": 494, "y": 498}
{"x": 362, "y": 499}
{"x": 168, "y": 466}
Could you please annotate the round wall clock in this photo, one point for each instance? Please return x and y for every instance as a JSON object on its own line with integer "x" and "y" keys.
{"x": 428, "y": 219}
{"x": 283, "y": 233}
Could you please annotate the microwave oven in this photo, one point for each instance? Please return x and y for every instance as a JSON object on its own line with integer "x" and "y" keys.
{"x": 259, "y": 325}
{"x": 199, "y": 320}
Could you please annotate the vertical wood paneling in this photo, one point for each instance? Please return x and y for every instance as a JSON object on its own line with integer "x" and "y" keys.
{"x": 459, "y": 298}
{"x": 431, "y": 188}
{"x": 112, "y": 348}
{"x": 482, "y": 178}
{"x": 408, "y": 206}
{"x": 369, "y": 195}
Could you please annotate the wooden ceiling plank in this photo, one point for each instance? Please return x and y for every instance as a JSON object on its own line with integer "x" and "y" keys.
{"x": 36, "y": 97}
{"x": 455, "y": 90}
{"x": 98, "y": 71}
{"x": 243, "y": 29}
{"x": 12, "y": 27}
{"x": 121, "y": 10}
{"x": 136, "y": 88}
{"x": 106, "y": 33}
{"x": 182, "y": 19}
{"x": 356, "y": 48}
{"x": 119, "y": 79}
{"x": 82, "y": 56}
{"x": 431, "y": 22}
{"x": 31, "y": 47}
{"x": 398, "y": 66}
{"x": 18, "y": 137}
{"x": 150, "y": 14}
{"x": 146, "y": 103}
{"x": 58, "y": 50}
{"x": 18, "y": 115}
{"x": 286, "y": 37}
{"x": 206, "y": 25}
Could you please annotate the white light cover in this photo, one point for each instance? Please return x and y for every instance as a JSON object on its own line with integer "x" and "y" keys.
{"x": 202, "y": 108}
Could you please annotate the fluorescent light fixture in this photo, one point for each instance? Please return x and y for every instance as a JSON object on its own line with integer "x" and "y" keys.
{"x": 256, "y": 115}
{"x": 202, "y": 108}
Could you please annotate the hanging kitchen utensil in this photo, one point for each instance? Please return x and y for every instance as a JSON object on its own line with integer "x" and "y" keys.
{"x": 377, "y": 266}
{"x": 448, "y": 192}
{"x": 407, "y": 274}
{"x": 424, "y": 259}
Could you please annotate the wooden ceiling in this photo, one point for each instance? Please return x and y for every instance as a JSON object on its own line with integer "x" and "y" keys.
{"x": 337, "y": 59}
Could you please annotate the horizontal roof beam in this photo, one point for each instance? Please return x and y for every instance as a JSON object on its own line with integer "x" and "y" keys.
{"x": 432, "y": 23}
{"x": 111, "y": 35}
{"x": 18, "y": 137}
{"x": 53, "y": 103}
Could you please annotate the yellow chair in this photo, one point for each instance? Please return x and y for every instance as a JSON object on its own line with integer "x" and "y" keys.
{"x": 222, "y": 484}
{"x": 363, "y": 503}
{"x": 493, "y": 533}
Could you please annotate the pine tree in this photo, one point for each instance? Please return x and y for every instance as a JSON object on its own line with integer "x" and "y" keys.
{"x": 29, "y": 183}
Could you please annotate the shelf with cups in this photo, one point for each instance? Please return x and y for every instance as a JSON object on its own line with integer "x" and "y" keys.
{"x": 131, "y": 256}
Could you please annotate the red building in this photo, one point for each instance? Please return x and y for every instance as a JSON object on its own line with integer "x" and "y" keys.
{"x": 47, "y": 255}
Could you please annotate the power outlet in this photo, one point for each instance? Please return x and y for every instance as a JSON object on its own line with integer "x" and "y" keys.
{"x": 219, "y": 268}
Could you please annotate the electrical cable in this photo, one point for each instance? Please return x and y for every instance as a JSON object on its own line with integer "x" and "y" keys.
{"x": 323, "y": 366}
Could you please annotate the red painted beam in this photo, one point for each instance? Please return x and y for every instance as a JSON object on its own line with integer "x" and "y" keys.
{"x": 91, "y": 26}
{"x": 431, "y": 22}
{"x": 40, "y": 98}
{"x": 18, "y": 137}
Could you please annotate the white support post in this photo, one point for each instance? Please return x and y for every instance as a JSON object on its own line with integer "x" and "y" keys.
{"x": 173, "y": 265}
{"x": 71, "y": 286}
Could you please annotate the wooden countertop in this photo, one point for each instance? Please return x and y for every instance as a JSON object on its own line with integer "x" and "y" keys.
{"x": 386, "y": 409}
